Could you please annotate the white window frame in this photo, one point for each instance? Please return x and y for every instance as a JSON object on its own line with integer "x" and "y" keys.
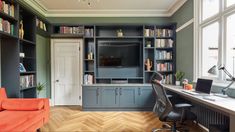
{"x": 221, "y": 17}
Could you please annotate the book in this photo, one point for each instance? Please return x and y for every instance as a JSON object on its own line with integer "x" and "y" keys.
{"x": 27, "y": 81}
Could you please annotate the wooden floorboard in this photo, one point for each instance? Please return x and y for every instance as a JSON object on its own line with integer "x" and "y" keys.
{"x": 68, "y": 119}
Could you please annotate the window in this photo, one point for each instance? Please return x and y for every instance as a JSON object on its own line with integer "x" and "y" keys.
{"x": 215, "y": 39}
{"x": 210, "y": 47}
{"x": 230, "y": 2}
{"x": 210, "y": 8}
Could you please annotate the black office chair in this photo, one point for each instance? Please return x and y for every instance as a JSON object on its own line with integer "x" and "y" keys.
{"x": 164, "y": 109}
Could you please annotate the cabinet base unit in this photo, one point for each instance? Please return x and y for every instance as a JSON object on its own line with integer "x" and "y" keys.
{"x": 104, "y": 97}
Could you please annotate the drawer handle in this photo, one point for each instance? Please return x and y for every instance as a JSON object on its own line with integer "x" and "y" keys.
{"x": 120, "y": 92}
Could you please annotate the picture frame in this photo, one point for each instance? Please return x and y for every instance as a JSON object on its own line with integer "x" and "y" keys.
{"x": 22, "y": 68}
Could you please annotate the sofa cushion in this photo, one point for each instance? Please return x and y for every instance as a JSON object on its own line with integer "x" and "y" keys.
{"x": 10, "y": 120}
{"x": 22, "y": 104}
{"x": 34, "y": 120}
{"x": 2, "y": 96}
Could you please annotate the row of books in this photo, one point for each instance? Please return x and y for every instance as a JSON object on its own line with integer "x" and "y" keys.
{"x": 163, "y": 55}
{"x": 72, "y": 30}
{"x": 167, "y": 66}
{"x": 6, "y": 26}
{"x": 148, "y": 32}
{"x": 89, "y": 32}
{"x": 164, "y": 32}
{"x": 7, "y": 8}
{"x": 167, "y": 79}
{"x": 40, "y": 24}
{"x": 164, "y": 43}
{"x": 88, "y": 79}
{"x": 27, "y": 81}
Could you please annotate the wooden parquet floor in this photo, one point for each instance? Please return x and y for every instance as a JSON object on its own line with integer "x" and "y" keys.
{"x": 69, "y": 119}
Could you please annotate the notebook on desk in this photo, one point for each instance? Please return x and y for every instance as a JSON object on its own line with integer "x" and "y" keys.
{"x": 203, "y": 87}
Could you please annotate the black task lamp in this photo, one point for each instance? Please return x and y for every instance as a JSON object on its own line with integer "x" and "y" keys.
{"x": 213, "y": 71}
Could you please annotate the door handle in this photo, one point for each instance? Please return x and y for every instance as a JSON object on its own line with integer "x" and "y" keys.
{"x": 97, "y": 91}
{"x": 120, "y": 91}
{"x": 57, "y": 80}
{"x": 116, "y": 91}
{"x": 139, "y": 92}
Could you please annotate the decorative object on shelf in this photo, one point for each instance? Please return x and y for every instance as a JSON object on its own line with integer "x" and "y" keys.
{"x": 148, "y": 44}
{"x": 178, "y": 76}
{"x": 22, "y": 55}
{"x": 88, "y": 79}
{"x": 184, "y": 82}
{"x": 119, "y": 33}
{"x": 90, "y": 56}
{"x": 213, "y": 70}
{"x": 21, "y": 30}
{"x": 40, "y": 87}
{"x": 22, "y": 68}
{"x": 148, "y": 64}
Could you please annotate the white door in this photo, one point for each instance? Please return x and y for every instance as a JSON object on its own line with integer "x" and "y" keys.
{"x": 67, "y": 71}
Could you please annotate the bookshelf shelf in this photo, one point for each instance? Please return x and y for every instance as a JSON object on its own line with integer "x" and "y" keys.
{"x": 27, "y": 58}
{"x": 7, "y": 17}
{"x": 28, "y": 72}
{"x": 7, "y": 35}
{"x": 166, "y": 48}
{"x": 88, "y": 59}
{"x": 147, "y": 48}
{"x": 66, "y": 36}
{"x": 27, "y": 42}
{"x": 22, "y": 89}
{"x": 115, "y": 37}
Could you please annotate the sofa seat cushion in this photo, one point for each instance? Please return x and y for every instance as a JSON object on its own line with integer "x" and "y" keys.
{"x": 19, "y": 120}
{"x": 22, "y": 104}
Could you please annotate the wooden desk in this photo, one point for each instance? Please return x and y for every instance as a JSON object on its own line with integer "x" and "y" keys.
{"x": 224, "y": 105}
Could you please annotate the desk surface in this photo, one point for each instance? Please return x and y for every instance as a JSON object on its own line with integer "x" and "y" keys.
{"x": 223, "y": 104}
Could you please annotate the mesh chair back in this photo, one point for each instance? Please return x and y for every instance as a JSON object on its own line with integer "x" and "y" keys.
{"x": 163, "y": 105}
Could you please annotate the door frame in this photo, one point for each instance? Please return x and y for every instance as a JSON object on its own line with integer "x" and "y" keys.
{"x": 80, "y": 42}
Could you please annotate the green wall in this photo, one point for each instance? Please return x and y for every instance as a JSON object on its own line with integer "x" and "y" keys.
{"x": 184, "y": 39}
{"x": 43, "y": 64}
{"x": 109, "y": 20}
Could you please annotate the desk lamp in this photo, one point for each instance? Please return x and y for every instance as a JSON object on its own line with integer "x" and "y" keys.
{"x": 213, "y": 71}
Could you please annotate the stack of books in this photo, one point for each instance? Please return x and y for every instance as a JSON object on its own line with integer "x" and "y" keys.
{"x": 89, "y": 32}
{"x": 72, "y": 30}
{"x": 7, "y": 8}
{"x": 168, "y": 79}
{"x": 148, "y": 32}
{"x": 40, "y": 24}
{"x": 164, "y": 43}
{"x": 163, "y": 55}
{"x": 164, "y": 32}
{"x": 27, "y": 81}
{"x": 6, "y": 26}
{"x": 164, "y": 66}
{"x": 88, "y": 79}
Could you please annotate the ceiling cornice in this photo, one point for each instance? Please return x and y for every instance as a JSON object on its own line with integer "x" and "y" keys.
{"x": 105, "y": 13}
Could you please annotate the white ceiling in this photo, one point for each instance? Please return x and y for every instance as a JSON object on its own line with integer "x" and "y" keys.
{"x": 106, "y": 8}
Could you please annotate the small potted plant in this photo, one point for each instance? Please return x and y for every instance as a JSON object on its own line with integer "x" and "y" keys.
{"x": 119, "y": 33}
{"x": 40, "y": 87}
{"x": 178, "y": 76}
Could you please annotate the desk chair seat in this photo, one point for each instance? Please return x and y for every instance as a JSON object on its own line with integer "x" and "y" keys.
{"x": 164, "y": 109}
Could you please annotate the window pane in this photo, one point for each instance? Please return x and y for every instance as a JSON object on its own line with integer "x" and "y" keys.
{"x": 230, "y": 50}
{"x": 209, "y": 8}
{"x": 230, "y": 2}
{"x": 210, "y": 39}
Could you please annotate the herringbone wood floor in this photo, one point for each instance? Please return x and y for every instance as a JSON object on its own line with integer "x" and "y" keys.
{"x": 67, "y": 119}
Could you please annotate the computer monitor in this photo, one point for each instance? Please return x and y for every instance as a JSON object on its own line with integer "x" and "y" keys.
{"x": 203, "y": 85}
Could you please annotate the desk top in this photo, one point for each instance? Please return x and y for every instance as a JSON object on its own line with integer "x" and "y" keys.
{"x": 223, "y": 104}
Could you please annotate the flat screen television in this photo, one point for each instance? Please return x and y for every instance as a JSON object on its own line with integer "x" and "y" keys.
{"x": 119, "y": 54}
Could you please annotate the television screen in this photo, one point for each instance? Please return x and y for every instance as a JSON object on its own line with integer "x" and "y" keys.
{"x": 119, "y": 54}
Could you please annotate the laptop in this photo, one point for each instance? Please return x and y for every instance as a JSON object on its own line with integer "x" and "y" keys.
{"x": 203, "y": 87}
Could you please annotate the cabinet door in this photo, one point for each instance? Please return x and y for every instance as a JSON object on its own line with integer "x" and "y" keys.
{"x": 145, "y": 97}
{"x": 127, "y": 97}
{"x": 110, "y": 97}
{"x": 91, "y": 97}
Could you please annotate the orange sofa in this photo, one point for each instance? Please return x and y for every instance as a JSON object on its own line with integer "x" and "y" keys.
{"x": 22, "y": 115}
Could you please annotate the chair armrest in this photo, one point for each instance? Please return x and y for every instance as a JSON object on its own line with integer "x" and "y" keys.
{"x": 169, "y": 96}
{"x": 183, "y": 105}
{"x": 23, "y": 104}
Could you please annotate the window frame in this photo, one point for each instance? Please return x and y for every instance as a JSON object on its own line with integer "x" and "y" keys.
{"x": 199, "y": 24}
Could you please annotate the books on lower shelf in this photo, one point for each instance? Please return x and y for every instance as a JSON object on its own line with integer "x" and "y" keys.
{"x": 148, "y": 32}
{"x": 163, "y": 55}
{"x": 167, "y": 79}
{"x": 164, "y": 43}
{"x": 6, "y": 26}
{"x": 164, "y": 66}
{"x": 27, "y": 81}
{"x": 88, "y": 79}
{"x": 79, "y": 30}
{"x": 7, "y": 8}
